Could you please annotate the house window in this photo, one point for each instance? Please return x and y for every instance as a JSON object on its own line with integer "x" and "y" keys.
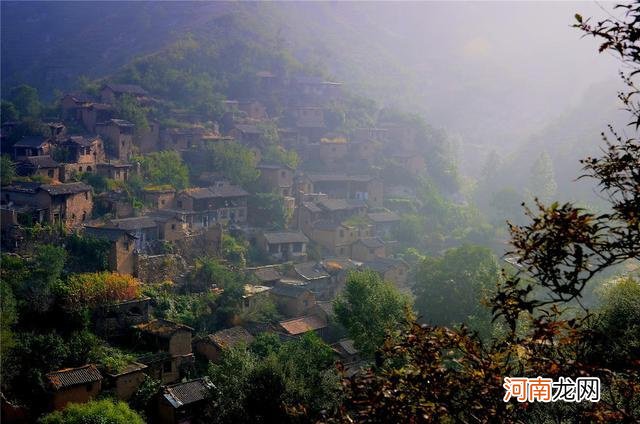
{"x": 162, "y": 201}
{"x": 371, "y": 251}
{"x": 173, "y": 226}
{"x": 84, "y": 215}
{"x": 80, "y": 169}
{"x": 86, "y": 195}
{"x": 50, "y": 173}
{"x": 89, "y": 169}
{"x": 297, "y": 247}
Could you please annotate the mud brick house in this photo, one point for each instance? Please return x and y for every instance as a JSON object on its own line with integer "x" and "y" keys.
{"x": 284, "y": 245}
{"x": 74, "y": 385}
{"x": 221, "y": 203}
{"x": 66, "y": 203}
{"x": 316, "y": 89}
{"x": 364, "y": 150}
{"x": 93, "y": 113}
{"x": 309, "y": 122}
{"x": 292, "y": 298}
{"x": 346, "y": 351}
{"x": 296, "y": 327}
{"x": 118, "y": 135}
{"x": 43, "y": 166}
{"x": 247, "y": 134}
{"x": 212, "y": 345}
{"x": 122, "y": 255}
{"x": 111, "y": 93}
{"x": 195, "y": 136}
{"x": 32, "y": 146}
{"x": 253, "y": 294}
{"x": 276, "y": 178}
{"x": 333, "y": 149}
{"x": 81, "y": 154}
{"x": 254, "y": 110}
{"x": 144, "y": 229}
{"x": 341, "y": 186}
{"x": 184, "y": 402}
{"x": 116, "y": 203}
{"x": 171, "y": 226}
{"x": 115, "y": 320}
{"x": 335, "y": 237}
{"x": 368, "y": 249}
{"x": 414, "y": 163}
{"x": 72, "y": 104}
{"x": 125, "y": 383}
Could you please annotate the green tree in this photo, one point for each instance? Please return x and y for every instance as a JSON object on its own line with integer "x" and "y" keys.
{"x": 234, "y": 161}
{"x": 269, "y": 211}
{"x": 7, "y": 170}
{"x": 164, "y": 168}
{"x": 26, "y": 100}
{"x": 104, "y": 411}
{"x": 129, "y": 109}
{"x": 8, "y": 112}
{"x": 87, "y": 253}
{"x": 37, "y": 293}
{"x": 370, "y": 308}
{"x": 451, "y": 289}
{"x": 280, "y": 155}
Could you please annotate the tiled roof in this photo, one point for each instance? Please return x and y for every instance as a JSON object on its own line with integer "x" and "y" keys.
{"x": 134, "y": 223}
{"x": 41, "y": 162}
{"x": 312, "y": 207}
{"x": 121, "y": 122}
{"x": 381, "y": 217}
{"x": 127, "y": 88}
{"x": 221, "y": 190}
{"x": 303, "y": 324}
{"x": 266, "y": 274}
{"x": 79, "y": 140}
{"x": 371, "y": 242}
{"x": 65, "y": 188}
{"x": 285, "y": 237}
{"x": 73, "y": 376}
{"x": 186, "y": 393}
{"x": 323, "y": 224}
{"x": 338, "y": 177}
{"x": 289, "y": 290}
{"x": 111, "y": 234}
{"x": 347, "y": 346}
{"x": 80, "y": 97}
{"x": 130, "y": 368}
{"x": 311, "y": 271}
{"x": 162, "y": 327}
{"x": 230, "y": 337}
{"x": 341, "y": 204}
{"x": 31, "y": 141}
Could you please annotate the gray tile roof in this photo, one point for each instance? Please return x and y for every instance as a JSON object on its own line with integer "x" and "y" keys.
{"x": 73, "y": 376}
{"x": 34, "y": 141}
{"x": 289, "y": 290}
{"x": 189, "y": 392}
{"x": 41, "y": 162}
{"x": 230, "y": 337}
{"x": 311, "y": 271}
{"x": 133, "y": 223}
{"x": 371, "y": 242}
{"x": 266, "y": 274}
{"x": 285, "y": 237}
{"x": 65, "y": 188}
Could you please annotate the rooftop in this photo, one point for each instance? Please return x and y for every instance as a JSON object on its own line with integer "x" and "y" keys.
{"x": 41, "y": 162}
{"x": 126, "y": 88}
{"x": 111, "y": 234}
{"x": 189, "y": 392}
{"x": 371, "y": 242}
{"x": 266, "y": 274}
{"x": 250, "y": 290}
{"x": 285, "y": 237}
{"x": 383, "y": 264}
{"x": 69, "y": 377}
{"x": 134, "y": 223}
{"x": 289, "y": 290}
{"x": 311, "y": 271}
{"x": 162, "y": 327}
{"x": 32, "y": 141}
{"x": 230, "y": 337}
{"x": 338, "y": 177}
{"x": 303, "y": 324}
{"x": 65, "y": 188}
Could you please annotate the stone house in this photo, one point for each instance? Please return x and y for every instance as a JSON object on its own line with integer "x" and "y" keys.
{"x": 346, "y": 351}
{"x": 267, "y": 275}
{"x": 170, "y": 347}
{"x": 184, "y": 402}
{"x": 413, "y": 163}
{"x": 277, "y": 178}
{"x": 368, "y": 249}
{"x": 252, "y": 295}
{"x": 115, "y": 320}
{"x": 74, "y": 385}
{"x": 253, "y": 110}
{"x": 115, "y": 170}
{"x": 247, "y": 134}
{"x": 125, "y": 383}
{"x": 365, "y": 150}
{"x": 316, "y": 89}
{"x": 296, "y": 327}
{"x": 118, "y": 135}
{"x": 43, "y": 166}
{"x": 384, "y": 223}
{"x": 195, "y": 136}
{"x": 32, "y": 146}
{"x": 335, "y": 237}
{"x": 342, "y": 186}
{"x": 159, "y": 197}
{"x": 144, "y": 229}
{"x": 212, "y": 345}
{"x": 284, "y": 245}
{"x": 72, "y": 103}
{"x": 82, "y": 150}
{"x": 171, "y": 226}
{"x": 375, "y": 134}
{"x": 93, "y": 113}
{"x": 117, "y": 204}
{"x": 389, "y": 269}
{"x": 309, "y": 122}
{"x": 111, "y": 93}
{"x": 221, "y": 203}
{"x": 316, "y": 279}
{"x": 122, "y": 253}
{"x": 292, "y": 298}
{"x": 334, "y": 210}
{"x": 149, "y": 139}
{"x": 66, "y": 203}
{"x": 332, "y": 150}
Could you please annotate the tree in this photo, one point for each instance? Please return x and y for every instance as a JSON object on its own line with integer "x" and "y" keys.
{"x": 129, "y": 109}
{"x": 164, "y": 168}
{"x": 234, "y": 161}
{"x": 98, "y": 288}
{"x": 269, "y": 211}
{"x": 37, "y": 293}
{"x": 104, "y": 411}
{"x": 543, "y": 183}
{"x": 370, "y": 308}
{"x": 279, "y": 155}
{"x": 451, "y": 289}
{"x": 87, "y": 253}
{"x": 8, "y": 112}
{"x": 26, "y": 101}
{"x": 444, "y": 375}
{"x": 8, "y": 170}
